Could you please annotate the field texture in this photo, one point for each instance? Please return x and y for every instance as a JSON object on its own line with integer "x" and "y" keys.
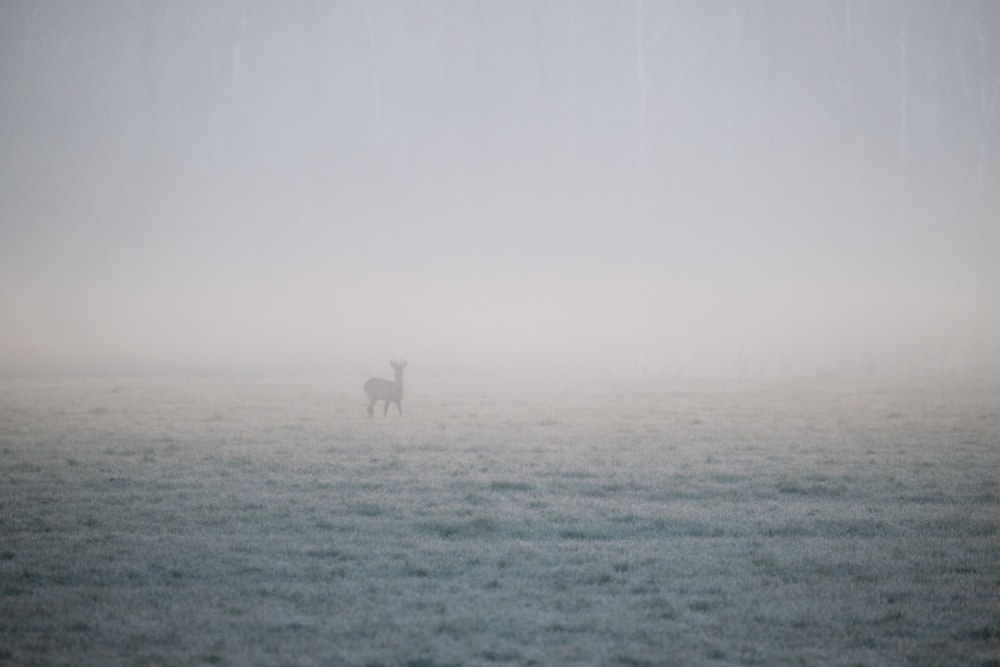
{"x": 255, "y": 521}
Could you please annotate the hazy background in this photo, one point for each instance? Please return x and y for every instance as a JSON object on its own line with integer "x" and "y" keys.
{"x": 678, "y": 188}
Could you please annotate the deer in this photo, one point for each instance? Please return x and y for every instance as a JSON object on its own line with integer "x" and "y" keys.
{"x": 390, "y": 391}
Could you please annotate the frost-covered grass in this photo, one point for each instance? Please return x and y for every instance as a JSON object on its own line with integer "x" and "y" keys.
{"x": 269, "y": 521}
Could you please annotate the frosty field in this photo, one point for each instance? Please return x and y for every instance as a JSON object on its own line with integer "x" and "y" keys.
{"x": 269, "y": 521}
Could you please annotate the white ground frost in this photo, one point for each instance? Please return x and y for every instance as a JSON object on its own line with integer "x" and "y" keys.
{"x": 253, "y": 521}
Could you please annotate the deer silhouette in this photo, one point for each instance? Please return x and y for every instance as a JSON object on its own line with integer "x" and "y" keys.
{"x": 390, "y": 391}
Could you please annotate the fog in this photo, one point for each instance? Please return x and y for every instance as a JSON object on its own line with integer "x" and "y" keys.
{"x": 664, "y": 188}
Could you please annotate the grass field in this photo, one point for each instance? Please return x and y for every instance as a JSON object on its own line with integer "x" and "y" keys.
{"x": 268, "y": 521}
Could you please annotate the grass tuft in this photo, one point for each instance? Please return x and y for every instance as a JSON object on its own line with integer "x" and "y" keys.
{"x": 476, "y": 528}
{"x": 504, "y": 486}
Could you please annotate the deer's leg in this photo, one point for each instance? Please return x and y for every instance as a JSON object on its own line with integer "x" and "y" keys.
{"x": 386, "y": 411}
{"x": 371, "y": 408}
{"x": 399, "y": 404}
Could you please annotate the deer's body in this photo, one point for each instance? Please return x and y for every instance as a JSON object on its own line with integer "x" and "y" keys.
{"x": 390, "y": 391}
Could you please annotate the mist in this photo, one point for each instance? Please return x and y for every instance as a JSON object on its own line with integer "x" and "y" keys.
{"x": 607, "y": 188}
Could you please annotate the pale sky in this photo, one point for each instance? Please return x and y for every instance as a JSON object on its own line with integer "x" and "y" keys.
{"x": 670, "y": 188}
